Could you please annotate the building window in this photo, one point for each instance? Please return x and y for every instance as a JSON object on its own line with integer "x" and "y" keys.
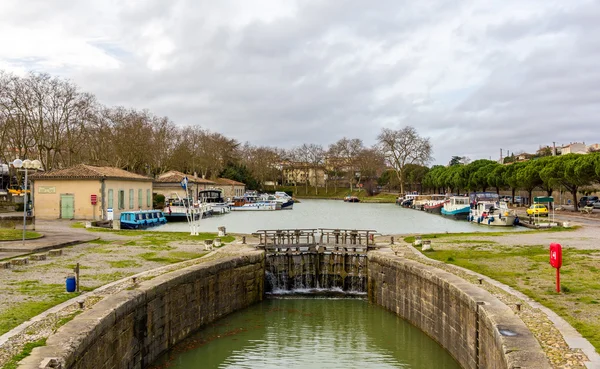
{"x": 110, "y": 199}
{"x": 140, "y": 198}
{"x": 121, "y": 199}
{"x": 131, "y": 198}
{"x": 148, "y": 198}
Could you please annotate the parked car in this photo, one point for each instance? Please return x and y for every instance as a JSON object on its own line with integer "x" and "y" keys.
{"x": 587, "y": 201}
{"x": 537, "y": 209}
{"x": 596, "y": 205}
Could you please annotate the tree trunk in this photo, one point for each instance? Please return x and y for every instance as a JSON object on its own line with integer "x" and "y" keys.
{"x": 574, "y": 193}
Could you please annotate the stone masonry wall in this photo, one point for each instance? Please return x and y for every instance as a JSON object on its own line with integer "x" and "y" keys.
{"x": 132, "y": 328}
{"x": 464, "y": 319}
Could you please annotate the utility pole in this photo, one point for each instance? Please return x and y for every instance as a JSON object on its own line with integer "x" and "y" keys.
{"x": 500, "y": 156}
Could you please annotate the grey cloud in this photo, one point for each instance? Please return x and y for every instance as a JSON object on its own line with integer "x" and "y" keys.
{"x": 318, "y": 74}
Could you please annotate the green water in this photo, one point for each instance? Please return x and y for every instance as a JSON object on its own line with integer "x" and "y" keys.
{"x": 309, "y": 333}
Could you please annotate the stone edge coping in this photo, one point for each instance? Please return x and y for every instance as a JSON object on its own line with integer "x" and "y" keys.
{"x": 73, "y": 339}
{"x": 522, "y": 350}
{"x": 55, "y": 309}
{"x": 572, "y": 337}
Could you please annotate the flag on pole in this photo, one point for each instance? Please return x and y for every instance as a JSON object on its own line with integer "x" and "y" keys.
{"x": 184, "y": 183}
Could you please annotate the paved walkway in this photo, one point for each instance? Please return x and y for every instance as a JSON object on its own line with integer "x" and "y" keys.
{"x": 56, "y": 234}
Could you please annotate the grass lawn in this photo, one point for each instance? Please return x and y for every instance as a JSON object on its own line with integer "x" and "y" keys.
{"x": 43, "y": 297}
{"x": 17, "y": 234}
{"x": 527, "y": 269}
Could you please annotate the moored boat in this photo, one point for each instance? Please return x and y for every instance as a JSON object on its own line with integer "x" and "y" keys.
{"x": 435, "y": 204}
{"x": 141, "y": 219}
{"x": 351, "y": 199}
{"x": 214, "y": 199}
{"x": 178, "y": 209}
{"x": 251, "y": 201}
{"x": 493, "y": 213}
{"x": 456, "y": 207}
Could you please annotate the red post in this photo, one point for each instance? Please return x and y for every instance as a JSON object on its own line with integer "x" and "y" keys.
{"x": 556, "y": 261}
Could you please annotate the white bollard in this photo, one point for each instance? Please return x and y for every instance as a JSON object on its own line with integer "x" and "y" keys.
{"x": 418, "y": 240}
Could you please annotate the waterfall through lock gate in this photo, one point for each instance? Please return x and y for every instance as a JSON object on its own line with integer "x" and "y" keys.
{"x": 315, "y": 261}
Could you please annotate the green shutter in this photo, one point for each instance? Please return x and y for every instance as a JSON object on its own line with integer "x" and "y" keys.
{"x": 131, "y": 199}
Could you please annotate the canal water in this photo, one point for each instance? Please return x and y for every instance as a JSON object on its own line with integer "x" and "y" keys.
{"x": 309, "y": 333}
{"x": 384, "y": 218}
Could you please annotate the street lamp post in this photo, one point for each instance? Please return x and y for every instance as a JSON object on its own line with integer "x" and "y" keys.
{"x": 26, "y": 164}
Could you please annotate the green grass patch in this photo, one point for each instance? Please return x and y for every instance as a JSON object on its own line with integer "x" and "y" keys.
{"x": 78, "y": 225}
{"x": 124, "y": 264}
{"x": 527, "y": 269}
{"x": 14, "y": 361}
{"x": 65, "y": 319}
{"x": 46, "y": 296}
{"x": 161, "y": 238}
{"x": 100, "y": 241}
{"x": 457, "y": 236}
{"x": 17, "y": 234}
{"x": 107, "y": 277}
{"x": 171, "y": 257}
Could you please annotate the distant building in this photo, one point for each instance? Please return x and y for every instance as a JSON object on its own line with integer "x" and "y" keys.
{"x": 230, "y": 187}
{"x": 574, "y": 148}
{"x": 89, "y": 192}
{"x": 169, "y": 185}
{"x": 301, "y": 173}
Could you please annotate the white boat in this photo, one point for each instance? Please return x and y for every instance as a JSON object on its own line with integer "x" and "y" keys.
{"x": 178, "y": 209}
{"x": 258, "y": 206}
{"x": 214, "y": 199}
{"x": 493, "y": 213}
{"x": 457, "y": 207}
{"x": 282, "y": 198}
{"x": 252, "y": 201}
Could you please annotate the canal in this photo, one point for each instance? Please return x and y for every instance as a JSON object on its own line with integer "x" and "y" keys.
{"x": 309, "y": 333}
{"x": 384, "y": 218}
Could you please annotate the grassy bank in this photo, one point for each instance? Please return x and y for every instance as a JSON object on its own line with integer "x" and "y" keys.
{"x": 527, "y": 269}
{"x": 17, "y": 234}
{"x": 302, "y": 192}
{"x": 40, "y": 285}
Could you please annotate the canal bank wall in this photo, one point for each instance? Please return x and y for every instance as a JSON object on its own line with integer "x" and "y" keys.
{"x": 132, "y": 328}
{"x": 476, "y": 328}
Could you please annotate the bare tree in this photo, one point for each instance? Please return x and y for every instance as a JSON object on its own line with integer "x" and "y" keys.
{"x": 402, "y": 147}
{"x": 316, "y": 157}
{"x": 347, "y": 151}
{"x": 263, "y": 162}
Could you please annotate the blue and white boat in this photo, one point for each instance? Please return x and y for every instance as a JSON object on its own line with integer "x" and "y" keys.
{"x": 457, "y": 207}
{"x": 142, "y": 219}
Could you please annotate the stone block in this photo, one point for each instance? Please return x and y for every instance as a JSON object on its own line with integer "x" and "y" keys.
{"x": 38, "y": 257}
{"x": 19, "y": 261}
{"x": 5, "y": 265}
{"x": 53, "y": 253}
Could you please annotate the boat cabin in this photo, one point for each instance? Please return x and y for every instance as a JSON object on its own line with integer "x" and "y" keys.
{"x": 142, "y": 219}
{"x": 211, "y": 196}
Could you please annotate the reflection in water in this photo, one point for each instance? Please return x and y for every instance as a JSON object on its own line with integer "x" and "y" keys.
{"x": 310, "y": 333}
{"x": 384, "y": 218}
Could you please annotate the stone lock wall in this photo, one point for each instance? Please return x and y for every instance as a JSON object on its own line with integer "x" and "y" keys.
{"x": 132, "y": 328}
{"x": 476, "y": 328}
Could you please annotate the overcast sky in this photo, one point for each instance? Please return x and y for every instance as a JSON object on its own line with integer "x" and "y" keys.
{"x": 474, "y": 76}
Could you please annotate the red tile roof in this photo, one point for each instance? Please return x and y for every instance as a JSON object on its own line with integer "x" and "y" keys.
{"x": 227, "y": 181}
{"x": 83, "y": 171}
{"x": 174, "y": 176}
